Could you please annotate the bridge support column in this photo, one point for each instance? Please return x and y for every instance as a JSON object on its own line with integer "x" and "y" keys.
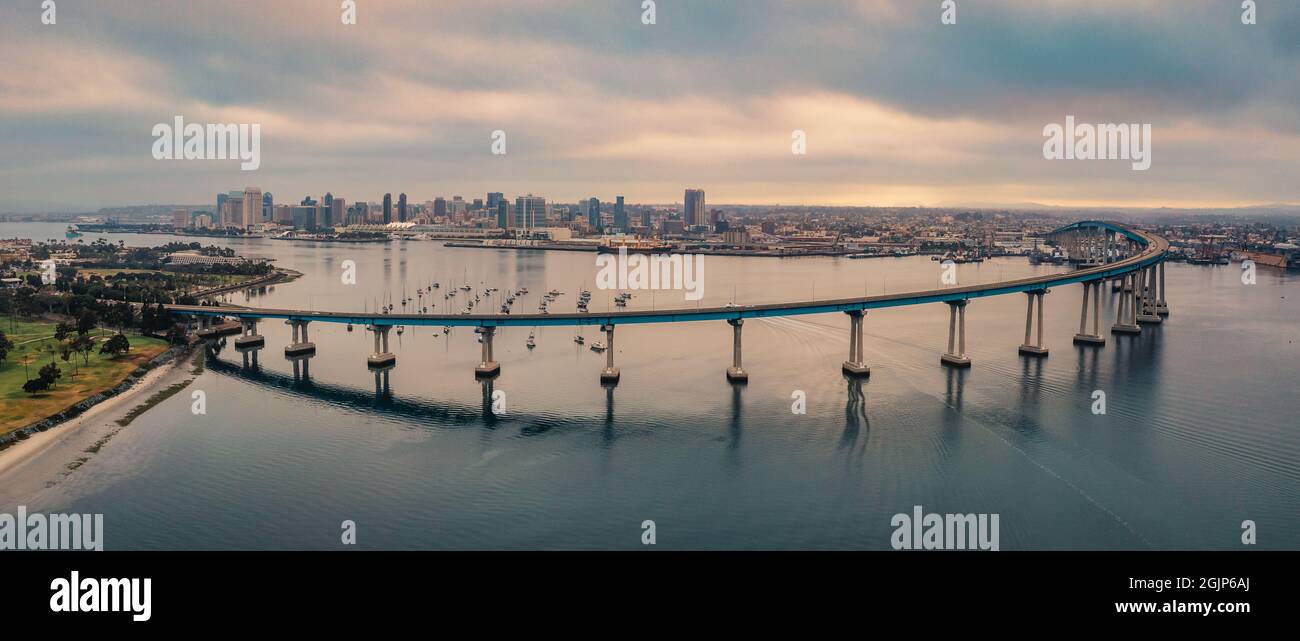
{"x": 956, "y": 332}
{"x": 1036, "y": 348}
{"x": 1083, "y": 337}
{"x": 249, "y": 338}
{"x": 856, "y": 366}
{"x": 1162, "y": 307}
{"x": 735, "y": 373}
{"x": 487, "y": 367}
{"x": 1126, "y": 314}
{"x": 205, "y": 327}
{"x": 1146, "y": 296}
{"x": 381, "y": 358}
{"x": 610, "y": 374}
{"x": 300, "y": 345}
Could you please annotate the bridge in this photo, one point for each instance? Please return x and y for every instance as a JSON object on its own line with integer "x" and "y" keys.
{"x": 1130, "y": 258}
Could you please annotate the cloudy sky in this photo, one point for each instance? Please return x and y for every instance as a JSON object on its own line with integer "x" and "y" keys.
{"x": 898, "y": 108}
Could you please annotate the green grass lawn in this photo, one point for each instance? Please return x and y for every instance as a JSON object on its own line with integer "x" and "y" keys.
{"x": 191, "y": 280}
{"x": 34, "y": 343}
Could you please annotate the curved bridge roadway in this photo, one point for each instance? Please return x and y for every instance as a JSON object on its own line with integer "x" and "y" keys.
{"x": 1142, "y": 251}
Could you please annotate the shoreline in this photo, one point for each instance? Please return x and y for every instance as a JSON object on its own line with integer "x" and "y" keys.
{"x": 278, "y": 276}
{"x": 30, "y": 465}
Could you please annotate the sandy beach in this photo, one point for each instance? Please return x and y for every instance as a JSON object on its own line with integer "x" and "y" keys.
{"x": 34, "y": 464}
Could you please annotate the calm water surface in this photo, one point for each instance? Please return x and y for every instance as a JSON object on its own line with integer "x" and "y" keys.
{"x": 1200, "y": 431}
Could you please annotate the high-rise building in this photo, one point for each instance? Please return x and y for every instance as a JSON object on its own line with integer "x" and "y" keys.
{"x": 232, "y": 212}
{"x": 529, "y": 211}
{"x": 620, "y": 215}
{"x": 593, "y": 213}
{"x": 693, "y": 211}
{"x": 268, "y": 206}
{"x": 326, "y": 210}
{"x": 221, "y": 201}
{"x": 401, "y": 208}
{"x": 440, "y": 207}
{"x": 180, "y": 218}
{"x": 388, "y": 208}
{"x": 493, "y": 198}
{"x": 232, "y": 215}
{"x": 503, "y": 209}
{"x": 337, "y": 216}
{"x": 645, "y": 218}
{"x": 252, "y": 213}
{"x": 304, "y": 217}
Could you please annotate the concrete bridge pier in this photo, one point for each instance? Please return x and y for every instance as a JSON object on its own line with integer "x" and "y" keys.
{"x": 1162, "y": 307}
{"x": 1036, "y": 348}
{"x": 487, "y": 367}
{"x": 735, "y": 373}
{"x": 610, "y": 374}
{"x": 204, "y": 330}
{"x": 249, "y": 339}
{"x": 381, "y": 358}
{"x": 856, "y": 365}
{"x": 1146, "y": 297}
{"x": 1126, "y": 312}
{"x": 300, "y": 346}
{"x": 1083, "y": 337}
{"x": 956, "y": 357}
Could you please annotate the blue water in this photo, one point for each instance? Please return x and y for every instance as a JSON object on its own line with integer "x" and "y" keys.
{"x": 1200, "y": 431}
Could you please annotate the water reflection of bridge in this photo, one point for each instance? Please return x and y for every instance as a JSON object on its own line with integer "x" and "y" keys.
{"x": 382, "y": 402}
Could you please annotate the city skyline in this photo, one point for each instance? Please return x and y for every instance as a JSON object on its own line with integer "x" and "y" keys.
{"x": 897, "y": 108}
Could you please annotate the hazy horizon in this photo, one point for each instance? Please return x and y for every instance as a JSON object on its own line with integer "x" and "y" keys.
{"x": 898, "y": 109}
{"x": 1279, "y": 208}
